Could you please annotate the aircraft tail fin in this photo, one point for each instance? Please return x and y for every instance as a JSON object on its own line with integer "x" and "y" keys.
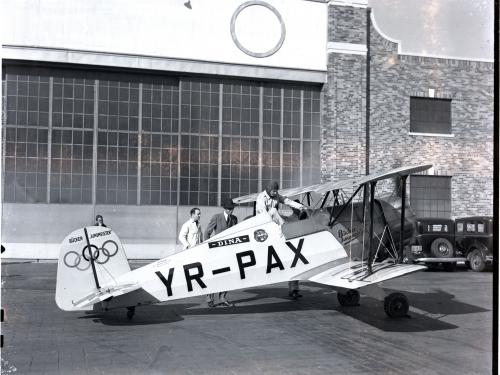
{"x": 90, "y": 261}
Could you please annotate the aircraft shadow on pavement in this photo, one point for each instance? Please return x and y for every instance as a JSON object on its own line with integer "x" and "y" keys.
{"x": 371, "y": 311}
{"x": 440, "y": 302}
{"x": 145, "y": 315}
{"x": 275, "y": 300}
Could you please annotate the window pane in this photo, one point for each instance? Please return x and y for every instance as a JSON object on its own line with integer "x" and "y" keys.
{"x": 430, "y": 115}
{"x": 159, "y": 145}
{"x": 430, "y": 196}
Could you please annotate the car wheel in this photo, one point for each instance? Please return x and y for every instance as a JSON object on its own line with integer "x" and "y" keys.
{"x": 441, "y": 248}
{"x": 351, "y": 298}
{"x": 476, "y": 261}
{"x": 396, "y": 305}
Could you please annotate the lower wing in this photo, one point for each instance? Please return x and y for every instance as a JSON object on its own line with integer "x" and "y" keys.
{"x": 355, "y": 274}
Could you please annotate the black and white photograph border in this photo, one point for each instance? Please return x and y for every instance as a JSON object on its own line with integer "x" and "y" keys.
{"x": 171, "y": 168}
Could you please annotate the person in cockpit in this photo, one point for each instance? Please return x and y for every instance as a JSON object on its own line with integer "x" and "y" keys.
{"x": 269, "y": 200}
{"x": 99, "y": 221}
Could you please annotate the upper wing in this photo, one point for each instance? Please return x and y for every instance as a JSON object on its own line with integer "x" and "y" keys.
{"x": 290, "y": 192}
{"x": 355, "y": 274}
{"x": 343, "y": 184}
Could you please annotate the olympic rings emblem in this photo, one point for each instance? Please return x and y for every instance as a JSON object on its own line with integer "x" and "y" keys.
{"x": 74, "y": 260}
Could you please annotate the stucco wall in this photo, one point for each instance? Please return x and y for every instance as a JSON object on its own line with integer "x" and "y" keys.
{"x": 36, "y": 230}
{"x": 169, "y": 29}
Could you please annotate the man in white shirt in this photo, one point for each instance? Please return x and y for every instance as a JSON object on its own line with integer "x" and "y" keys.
{"x": 191, "y": 234}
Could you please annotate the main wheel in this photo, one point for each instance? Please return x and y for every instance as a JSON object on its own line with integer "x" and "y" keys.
{"x": 441, "y": 248}
{"x": 396, "y": 305}
{"x": 477, "y": 262}
{"x": 351, "y": 298}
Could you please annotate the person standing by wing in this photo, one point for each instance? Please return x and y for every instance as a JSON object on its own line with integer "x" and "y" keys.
{"x": 191, "y": 234}
{"x": 268, "y": 201}
{"x": 218, "y": 223}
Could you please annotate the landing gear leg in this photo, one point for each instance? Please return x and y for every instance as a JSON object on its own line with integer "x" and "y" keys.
{"x": 130, "y": 312}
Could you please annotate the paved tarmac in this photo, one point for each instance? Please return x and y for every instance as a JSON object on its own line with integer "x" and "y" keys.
{"x": 449, "y": 331}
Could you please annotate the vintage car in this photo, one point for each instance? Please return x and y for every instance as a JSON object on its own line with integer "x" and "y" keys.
{"x": 474, "y": 239}
{"x": 434, "y": 243}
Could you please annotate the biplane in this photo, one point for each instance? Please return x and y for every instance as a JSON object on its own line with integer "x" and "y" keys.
{"x": 348, "y": 240}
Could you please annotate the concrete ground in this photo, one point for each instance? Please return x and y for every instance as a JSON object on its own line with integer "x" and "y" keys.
{"x": 449, "y": 331}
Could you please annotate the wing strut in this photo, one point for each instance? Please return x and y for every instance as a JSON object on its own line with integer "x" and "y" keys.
{"x": 332, "y": 219}
{"x": 401, "y": 231}
{"x": 325, "y": 198}
{"x": 372, "y": 201}
{"x": 365, "y": 198}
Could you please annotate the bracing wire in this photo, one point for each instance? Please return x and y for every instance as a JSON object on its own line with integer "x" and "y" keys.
{"x": 393, "y": 244}
{"x": 392, "y": 249}
{"x": 108, "y": 272}
{"x": 381, "y": 238}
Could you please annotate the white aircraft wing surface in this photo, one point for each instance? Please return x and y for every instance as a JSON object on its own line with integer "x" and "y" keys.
{"x": 401, "y": 171}
{"x": 355, "y": 274}
{"x": 342, "y": 184}
{"x": 289, "y": 192}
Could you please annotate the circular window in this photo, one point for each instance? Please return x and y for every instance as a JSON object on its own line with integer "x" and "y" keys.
{"x": 257, "y": 29}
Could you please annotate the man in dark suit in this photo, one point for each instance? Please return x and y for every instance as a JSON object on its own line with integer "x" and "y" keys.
{"x": 218, "y": 223}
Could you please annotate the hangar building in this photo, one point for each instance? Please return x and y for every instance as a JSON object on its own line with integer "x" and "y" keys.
{"x": 141, "y": 110}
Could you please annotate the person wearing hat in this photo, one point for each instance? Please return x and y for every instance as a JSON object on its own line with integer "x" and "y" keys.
{"x": 218, "y": 223}
{"x": 268, "y": 201}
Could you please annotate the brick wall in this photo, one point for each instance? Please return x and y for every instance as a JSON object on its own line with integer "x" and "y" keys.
{"x": 344, "y": 105}
{"x": 467, "y": 156}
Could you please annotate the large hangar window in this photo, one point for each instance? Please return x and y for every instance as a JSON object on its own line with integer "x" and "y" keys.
{"x": 26, "y": 111}
{"x": 106, "y": 137}
{"x": 117, "y": 140}
{"x": 200, "y": 103}
{"x": 272, "y": 133}
{"x": 430, "y": 196}
{"x": 240, "y": 138}
{"x": 159, "y": 141}
{"x": 71, "y": 137}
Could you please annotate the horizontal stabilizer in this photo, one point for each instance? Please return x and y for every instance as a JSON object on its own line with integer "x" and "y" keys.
{"x": 355, "y": 274}
{"x": 103, "y": 294}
